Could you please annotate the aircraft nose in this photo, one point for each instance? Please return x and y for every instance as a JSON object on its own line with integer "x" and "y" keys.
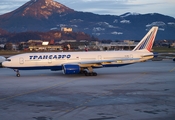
{"x": 3, "y": 64}
{"x": 7, "y": 62}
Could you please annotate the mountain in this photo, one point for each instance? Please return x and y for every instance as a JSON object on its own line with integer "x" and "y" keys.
{"x": 37, "y": 15}
{"x": 39, "y": 9}
{"x": 45, "y": 15}
{"x": 3, "y": 32}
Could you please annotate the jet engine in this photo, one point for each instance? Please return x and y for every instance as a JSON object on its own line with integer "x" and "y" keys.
{"x": 71, "y": 69}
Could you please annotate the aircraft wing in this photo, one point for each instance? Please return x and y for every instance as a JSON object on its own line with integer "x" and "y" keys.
{"x": 147, "y": 55}
{"x": 101, "y": 62}
{"x": 114, "y": 60}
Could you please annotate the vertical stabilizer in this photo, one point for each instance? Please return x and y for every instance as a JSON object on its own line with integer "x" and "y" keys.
{"x": 148, "y": 40}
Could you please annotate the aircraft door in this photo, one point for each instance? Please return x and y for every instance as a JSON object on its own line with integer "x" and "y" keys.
{"x": 21, "y": 60}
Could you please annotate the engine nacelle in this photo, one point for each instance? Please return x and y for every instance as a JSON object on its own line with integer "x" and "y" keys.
{"x": 71, "y": 69}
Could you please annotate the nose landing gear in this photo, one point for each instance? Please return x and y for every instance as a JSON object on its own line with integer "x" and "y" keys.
{"x": 17, "y": 72}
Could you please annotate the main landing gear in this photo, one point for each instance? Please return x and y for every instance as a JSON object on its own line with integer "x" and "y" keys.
{"x": 89, "y": 72}
{"x": 17, "y": 72}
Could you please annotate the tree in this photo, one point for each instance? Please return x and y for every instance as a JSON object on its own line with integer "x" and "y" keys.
{"x": 8, "y": 46}
{"x": 20, "y": 47}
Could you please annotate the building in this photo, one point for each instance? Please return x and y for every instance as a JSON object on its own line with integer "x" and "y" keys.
{"x": 65, "y": 29}
{"x": 173, "y": 45}
{"x": 125, "y": 45}
{"x": 45, "y": 48}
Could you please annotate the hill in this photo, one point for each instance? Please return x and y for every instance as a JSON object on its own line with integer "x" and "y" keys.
{"x": 45, "y": 15}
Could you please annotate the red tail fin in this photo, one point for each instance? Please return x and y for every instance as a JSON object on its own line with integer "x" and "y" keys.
{"x": 148, "y": 40}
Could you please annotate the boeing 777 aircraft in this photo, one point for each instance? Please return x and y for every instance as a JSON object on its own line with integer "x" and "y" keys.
{"x": 2, "y": 59}
{"x": 83, "y": 62}
{"x": 166, "y": 56}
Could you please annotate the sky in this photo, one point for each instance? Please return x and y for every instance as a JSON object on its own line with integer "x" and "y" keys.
{"x": 105, "y": 7}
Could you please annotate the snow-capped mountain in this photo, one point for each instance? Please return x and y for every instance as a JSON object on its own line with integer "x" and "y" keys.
{"x": 45, "y": 15}
{"x": 39, "y": 9}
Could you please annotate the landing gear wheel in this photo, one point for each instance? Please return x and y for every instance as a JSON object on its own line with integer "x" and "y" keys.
{"x": 18, "y": 75}
{"x": 17, "y": 72}
{"x": 86, "y": 74}
{"x": 94, "y": 74}
{"x": 90, "y": 74}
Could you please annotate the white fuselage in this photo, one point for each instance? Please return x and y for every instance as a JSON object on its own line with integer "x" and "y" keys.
{"x": 48, "y": 59}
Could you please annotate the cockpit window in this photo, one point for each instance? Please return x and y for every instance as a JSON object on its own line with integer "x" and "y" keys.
{"x": 8, "y": 60}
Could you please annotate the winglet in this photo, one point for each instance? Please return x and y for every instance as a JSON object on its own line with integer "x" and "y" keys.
{"x": 148, "y": 40}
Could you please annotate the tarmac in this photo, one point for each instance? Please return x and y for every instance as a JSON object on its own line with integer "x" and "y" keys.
{"x": 142, "y": 91}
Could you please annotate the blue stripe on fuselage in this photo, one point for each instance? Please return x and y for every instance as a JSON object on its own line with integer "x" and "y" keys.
{"x": 56, "y": 68}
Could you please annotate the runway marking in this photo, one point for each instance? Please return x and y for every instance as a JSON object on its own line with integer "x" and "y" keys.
{"x": 172, "y": 70}
{"x": 38, "y": 90}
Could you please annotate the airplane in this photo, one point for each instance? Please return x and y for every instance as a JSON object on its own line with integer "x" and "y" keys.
{"x": 2, "y": 59}
{"x": 166, "y": 56}
{"x": 83, "y": 62}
